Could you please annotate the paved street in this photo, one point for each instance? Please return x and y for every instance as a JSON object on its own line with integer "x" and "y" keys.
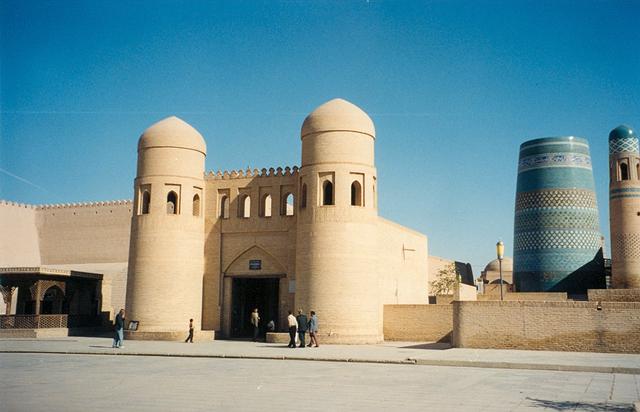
{"x": 51, "y": 382}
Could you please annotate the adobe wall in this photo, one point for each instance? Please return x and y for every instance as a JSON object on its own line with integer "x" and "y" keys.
{"x": 558, "y": 326}
{"x": 90, "y": 237}
{"x": 418, "y": 323}
{"x": 19, "y": 244}
{"x": 614, "y": 295}
{"x": 403, "y": 264}
{"x": 84, "y": 233}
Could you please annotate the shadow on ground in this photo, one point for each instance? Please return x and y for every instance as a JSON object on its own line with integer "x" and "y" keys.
{"x": 580, "y": 406}
{"x": 432, "y": 346}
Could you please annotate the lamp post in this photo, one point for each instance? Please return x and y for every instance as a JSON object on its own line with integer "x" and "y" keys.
{"x": 500, "y": 253}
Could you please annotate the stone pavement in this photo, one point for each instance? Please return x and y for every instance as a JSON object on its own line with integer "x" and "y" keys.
{"x": 389, "y": 352}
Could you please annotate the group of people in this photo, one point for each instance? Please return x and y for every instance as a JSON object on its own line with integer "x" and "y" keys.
{"x": 301, "y": 324}
{"x": 298, "y": 325}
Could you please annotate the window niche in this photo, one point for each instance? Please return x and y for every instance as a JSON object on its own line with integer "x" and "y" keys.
{"x": 624, "y": 171}
{"x": 173, "y": 199}
{"x": 327, "y": 191}
{"x": 244, "y": 206}
{"x": 223, "y": 203}
{"x": 357, "y": 192}
{"x": 196, "y": 201}
{"x": 303, "y": 196}
{"x": 144, "y": 199}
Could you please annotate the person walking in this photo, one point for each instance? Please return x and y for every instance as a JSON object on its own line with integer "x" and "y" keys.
{"x": 190, "y": 337}
{"x": 293, "y": 326}
{"x": 118, "y": 337}
{"x": 313, "y": 330}
{"x": 302, "y": 326}
{"x": 255, "y": 322}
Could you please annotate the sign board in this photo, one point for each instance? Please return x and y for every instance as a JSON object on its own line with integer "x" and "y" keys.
{"x": 255, "y": 264}
{"x": 133, "y": 325}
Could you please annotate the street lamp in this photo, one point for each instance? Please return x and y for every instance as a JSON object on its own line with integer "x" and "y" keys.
{"x": 500, "y": 253}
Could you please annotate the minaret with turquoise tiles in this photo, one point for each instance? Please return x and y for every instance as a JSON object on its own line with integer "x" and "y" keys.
{"x": 624, "y": 207}
{"x": 557, "y": 245}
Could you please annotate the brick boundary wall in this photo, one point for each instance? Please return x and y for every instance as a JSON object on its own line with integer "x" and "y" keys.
{"x": 558, "y": 326}
{"x": 528, "y": 296}
{"x": 614, "y": 295}
{"x": 418, "y": 323}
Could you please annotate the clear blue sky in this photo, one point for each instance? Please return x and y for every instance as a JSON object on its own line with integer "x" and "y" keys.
{"x": 453, "y": 88}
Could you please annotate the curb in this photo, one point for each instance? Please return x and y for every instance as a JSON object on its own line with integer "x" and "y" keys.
{"x": 408, "y": 361}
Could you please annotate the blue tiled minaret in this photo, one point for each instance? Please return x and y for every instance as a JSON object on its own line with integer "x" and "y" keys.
{"x": 557, "y": 240}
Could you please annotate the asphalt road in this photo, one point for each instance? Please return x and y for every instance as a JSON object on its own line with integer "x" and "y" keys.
{"x": 47, "y": 382}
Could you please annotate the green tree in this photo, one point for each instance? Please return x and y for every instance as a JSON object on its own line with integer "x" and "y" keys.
{"x": 445, "y": 280}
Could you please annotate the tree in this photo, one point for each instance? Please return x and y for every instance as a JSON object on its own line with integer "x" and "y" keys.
{"x": 445, "y": 280}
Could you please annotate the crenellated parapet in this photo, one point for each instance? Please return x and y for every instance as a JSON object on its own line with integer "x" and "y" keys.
{"x": 85, "y": 204}
{"x": 252, "y": 173}
{"x": 16, "y": 204}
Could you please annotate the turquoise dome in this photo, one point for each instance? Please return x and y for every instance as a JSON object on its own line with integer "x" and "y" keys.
{"x": 622, "y": 132}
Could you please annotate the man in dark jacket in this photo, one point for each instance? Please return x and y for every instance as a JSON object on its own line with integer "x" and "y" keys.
{"x": 118, "y": 337}
{"x": 302, "y": 326}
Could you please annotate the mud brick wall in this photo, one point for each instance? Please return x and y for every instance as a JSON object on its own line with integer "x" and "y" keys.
{"x": 418, "y": 323}
{"x": 558, "y": 326}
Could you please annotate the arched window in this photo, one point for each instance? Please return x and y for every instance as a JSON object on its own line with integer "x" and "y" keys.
{"x": 196, "y": 205}
{"x": 172, "y": 203}
{"x": 146, "y": 201}
{"x": 266, "y": 206}
{"x": 356, "y": 194}
{"x": 624, "y": 171}
{"x": 327, "y": 193}
{"x": 638, "y": 171}
{"x": 244, "y": 209}
{"x": 303, "y": 196}
{"x": 287, "y": 205}
{"x": 224, "y": 207}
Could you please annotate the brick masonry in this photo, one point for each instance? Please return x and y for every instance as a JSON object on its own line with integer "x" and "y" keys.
{"x": 614, "y": 295}
{"x": 419, "y": 323}
{"x": 558, "y": 326}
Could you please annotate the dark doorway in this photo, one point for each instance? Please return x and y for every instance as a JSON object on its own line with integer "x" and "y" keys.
{"x": 250, "y": 293}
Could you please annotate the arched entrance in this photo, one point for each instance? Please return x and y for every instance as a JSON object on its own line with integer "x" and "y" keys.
{"x": 250, "y": 293}
{"x": 52, "y": 301}
{"x": 254, "y": 279}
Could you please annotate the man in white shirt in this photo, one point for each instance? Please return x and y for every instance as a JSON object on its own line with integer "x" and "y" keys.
{"x": 293, "y": 328}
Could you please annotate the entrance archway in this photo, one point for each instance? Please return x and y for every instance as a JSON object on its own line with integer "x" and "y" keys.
{"x": 248, "y": 293}
{"x": 52, "y": 301}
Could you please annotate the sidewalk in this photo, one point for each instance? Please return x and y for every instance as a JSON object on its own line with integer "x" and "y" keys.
{"x": 410, "y": 353}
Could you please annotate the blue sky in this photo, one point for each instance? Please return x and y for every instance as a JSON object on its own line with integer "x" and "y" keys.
{"x": 453, "y": 89}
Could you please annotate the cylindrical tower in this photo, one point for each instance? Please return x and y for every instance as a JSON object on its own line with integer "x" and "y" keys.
{"x": 557, "y": 240}
{"x": 624, "y": 207}
{"x": 336, "y": 271}
{"x": 166, "y": 256}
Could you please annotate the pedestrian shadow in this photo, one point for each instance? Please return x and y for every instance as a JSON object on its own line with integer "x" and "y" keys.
{"x": 582, "y": 406}
{"x": 430, "y": 346}
{"x": 101, "y": 346}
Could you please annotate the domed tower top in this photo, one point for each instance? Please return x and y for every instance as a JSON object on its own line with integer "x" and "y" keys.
{"x": 338, "y": 115}
{"x": 623, "y": 139}
{"x": 172, "y": 132}
{"x": 171, "y": 147}
{"x": 338, "y": 132}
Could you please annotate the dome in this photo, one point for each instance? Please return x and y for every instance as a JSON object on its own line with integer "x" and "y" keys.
{"x": 338, "y": 115}
{"x": 622, "y": 132}
{"x": 172, "y": 132}
{"x": 494, "y": 265}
